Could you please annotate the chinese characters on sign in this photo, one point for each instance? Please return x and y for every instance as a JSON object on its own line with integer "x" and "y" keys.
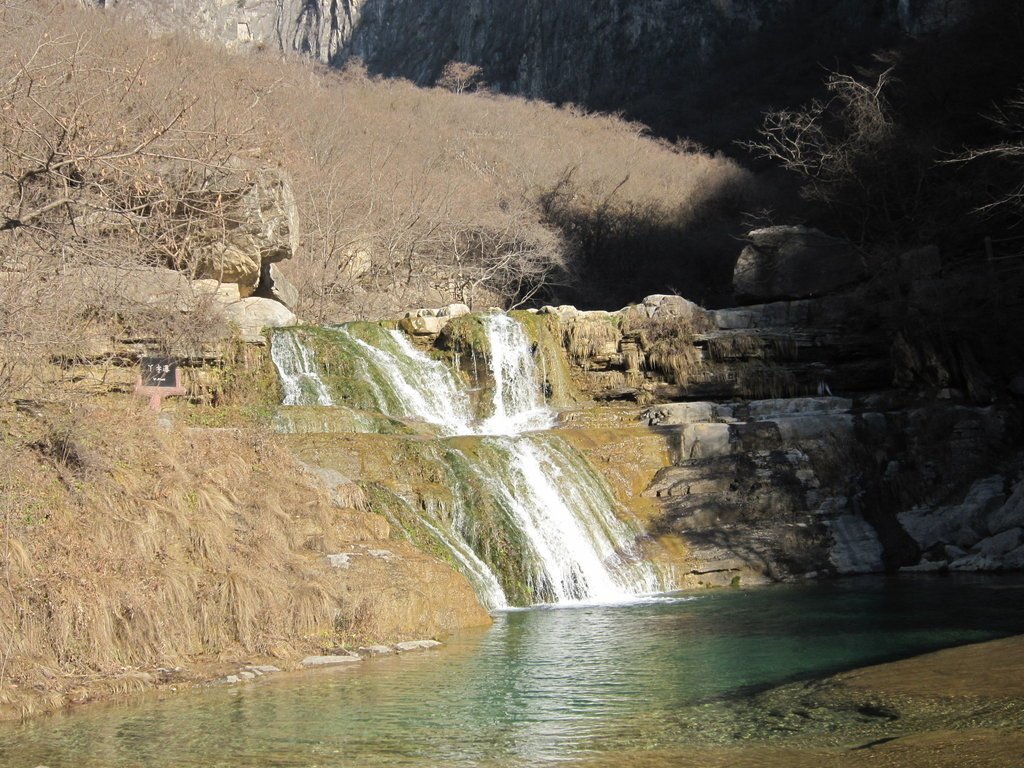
{"x": 159, "y": 377}
{"x": 159, "y": 372}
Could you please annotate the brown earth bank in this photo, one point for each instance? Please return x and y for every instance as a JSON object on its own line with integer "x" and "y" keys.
{"x": 137, "y": 551}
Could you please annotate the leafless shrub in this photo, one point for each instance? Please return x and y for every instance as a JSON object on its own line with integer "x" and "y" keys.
{"x": 855, "y": 158}
{"x": 460, "y": 76}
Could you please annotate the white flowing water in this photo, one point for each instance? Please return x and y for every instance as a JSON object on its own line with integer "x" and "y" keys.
{"x": 300, "y": 378}
{"x": 579, "y": 550}
{"x": 426, "y": 388}
{"x": 582, "y": 552}
{"x": 517, "y": 402}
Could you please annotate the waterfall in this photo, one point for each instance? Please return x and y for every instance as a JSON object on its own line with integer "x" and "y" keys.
{"x": 517, "y": 404}
{"x": 574, "y": 548}
{"x": 426, "y": 389}
{"x": 564, "y": 509}
{"x": 297, "y": 369}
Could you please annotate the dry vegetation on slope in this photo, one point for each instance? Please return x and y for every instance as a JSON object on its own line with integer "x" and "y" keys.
{"x": 156, "y": 547}
{"x": 407, "y": 196}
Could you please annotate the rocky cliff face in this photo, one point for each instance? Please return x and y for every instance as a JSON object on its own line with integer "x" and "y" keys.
{"x": 644, "y": 56}
{"x": 844, "y": 421}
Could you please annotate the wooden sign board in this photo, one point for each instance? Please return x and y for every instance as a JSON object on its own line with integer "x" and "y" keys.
{"x": 159, "y": 377}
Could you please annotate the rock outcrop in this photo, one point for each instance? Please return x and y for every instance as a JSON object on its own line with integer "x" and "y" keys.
{"x": 256, "y": 225}
{"x": 794, "y": 263}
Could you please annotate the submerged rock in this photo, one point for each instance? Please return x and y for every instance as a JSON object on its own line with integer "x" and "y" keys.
{"x": 416, "y": 645}
{"x": 376, "y": 650}
{"x": 327, "y": 661}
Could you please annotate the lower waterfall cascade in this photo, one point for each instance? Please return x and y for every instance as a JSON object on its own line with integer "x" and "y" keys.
{"x": 574, "y": 547}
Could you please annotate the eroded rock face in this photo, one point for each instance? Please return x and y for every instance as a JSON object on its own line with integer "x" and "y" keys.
{"x": 258, "y": 226}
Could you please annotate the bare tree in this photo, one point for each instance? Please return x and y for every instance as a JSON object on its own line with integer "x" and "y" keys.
{"x": 1007, "y": 156}
{"x": 850, "y": 154}
{"x": 460, "y": 77}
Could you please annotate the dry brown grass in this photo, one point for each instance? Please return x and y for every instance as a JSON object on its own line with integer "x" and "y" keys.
{"x": 668, "y": 344}
{"x": 127, "y": 546}
{"x": 584, "y": 338}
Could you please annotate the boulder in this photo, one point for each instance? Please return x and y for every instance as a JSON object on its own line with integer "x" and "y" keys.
{"x": 423, "y": 325}
{"x": 787, "y": 262}
{"x": 1010, "y": 514}
{"x": 250, "y": 316}
{"x": 357, "y": 261}
{"x": 224, "y": 293}
{"x": 258, "y": 222}
{"x": 274, "y": 285}
{"x": 562, "y": 312}
{"x": 855, "y": 546}
{"x": 453, "y": 310}
{"x": 957, "y": 523}
{"x": 1002, "y": 543}
{"x": 1014, "y": 559}
{"x": 663, "y": 307}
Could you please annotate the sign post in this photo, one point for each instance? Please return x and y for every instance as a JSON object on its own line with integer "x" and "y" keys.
{"x": 159, "y": 377}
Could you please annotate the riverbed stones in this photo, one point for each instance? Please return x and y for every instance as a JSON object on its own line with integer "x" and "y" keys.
{"x": 329, "y": 660}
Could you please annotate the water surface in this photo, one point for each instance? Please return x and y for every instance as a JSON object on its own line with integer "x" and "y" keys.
{"x": 543, "y": 686}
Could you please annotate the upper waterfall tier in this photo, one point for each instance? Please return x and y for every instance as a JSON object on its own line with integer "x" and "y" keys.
{"x": 403, "y": 381}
